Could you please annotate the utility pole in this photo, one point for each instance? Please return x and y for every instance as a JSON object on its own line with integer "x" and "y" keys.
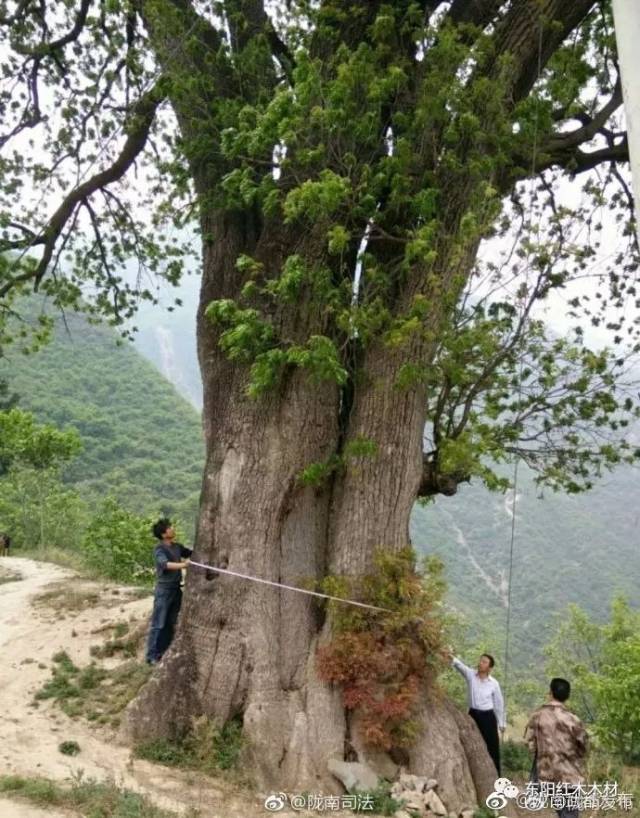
{"x": 626, "y": 15}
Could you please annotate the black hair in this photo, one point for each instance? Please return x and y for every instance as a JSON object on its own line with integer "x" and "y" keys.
{"x": 492, "y": 661}
{"x": 560, "y": 689}
{"x": 160, "y": 527}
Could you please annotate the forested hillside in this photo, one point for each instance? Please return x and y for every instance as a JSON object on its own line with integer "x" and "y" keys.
{"x": 141, "y": 440}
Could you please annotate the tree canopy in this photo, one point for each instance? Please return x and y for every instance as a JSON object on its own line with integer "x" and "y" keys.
{"x": 40, "y": 446}
{"x": 390, "y": 139}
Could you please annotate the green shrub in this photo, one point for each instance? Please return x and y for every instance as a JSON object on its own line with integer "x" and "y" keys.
{"x": 119, "y": 544}
{"x": 69, "y": 748}
{"x": 379, "y": 801}
{"x": 516, "y": 757}
{"x": 206, "y": 747}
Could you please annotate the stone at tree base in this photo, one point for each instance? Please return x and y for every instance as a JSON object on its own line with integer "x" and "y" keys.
{"x": 439, "y": 751}
{"x": 353, "y": 774}
{"x": 396, "y": 789}
{"x": 401, "y": 814}
{"x": 414, "y": 803}
{"x": 467, "y": 813}
{"x": 409, "y": 782}
{"x": 433, "y": 802}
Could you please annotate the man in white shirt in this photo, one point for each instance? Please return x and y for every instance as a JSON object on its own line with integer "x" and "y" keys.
{"x": 486, "y": 704}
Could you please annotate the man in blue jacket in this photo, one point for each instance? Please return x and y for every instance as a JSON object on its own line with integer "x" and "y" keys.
{"x": 170, "y": 559}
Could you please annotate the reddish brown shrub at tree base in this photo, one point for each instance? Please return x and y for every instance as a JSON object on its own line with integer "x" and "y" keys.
{"x": 383, "y": 660}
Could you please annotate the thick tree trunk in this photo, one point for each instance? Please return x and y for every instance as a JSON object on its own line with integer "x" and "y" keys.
{"x": 246, "y": 650}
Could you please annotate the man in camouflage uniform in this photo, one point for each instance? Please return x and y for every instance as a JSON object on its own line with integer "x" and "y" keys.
{"x": 558, "y": 740}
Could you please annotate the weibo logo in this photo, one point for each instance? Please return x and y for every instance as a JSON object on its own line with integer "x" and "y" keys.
{"x": 503, "y": 791}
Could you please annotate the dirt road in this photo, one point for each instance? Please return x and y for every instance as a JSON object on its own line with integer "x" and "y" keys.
{"x": 30, "y": 634}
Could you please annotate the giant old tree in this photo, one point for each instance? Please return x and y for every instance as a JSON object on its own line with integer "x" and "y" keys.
{"x": 343, "y": 162}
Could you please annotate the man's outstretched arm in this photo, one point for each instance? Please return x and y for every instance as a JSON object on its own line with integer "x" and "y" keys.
{"x": 459, "y": 665}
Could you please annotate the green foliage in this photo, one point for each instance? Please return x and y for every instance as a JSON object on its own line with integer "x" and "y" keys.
{"x": 40, "y": 510}
{"x": 317, "y": 473}
{"x": 69, "y": 748}
{"x": 516, "y": 759}
{"x": 497, "y": 382}
{"x": 318, "y": 199}
{"x": 8, "y": 400}
{"x": 122, "y": 643}
{"x": 206, "y": 748}
{"x": 141, "y": 442}
{"x": 98, "y": 694}
{"x": 246, "y": 338}
{"x": 245, "y": 334}
{"x": 62, "y": 686}
{"x": 369, "y": 137}
{"x": 383, "y": 661}
{"x": 40, "y": 446}
{"x": 102, "y": 799}
{"x": 378, "y": 801}
{"x": 602, "y": 662}
{"x": 119, "y": 544}
{"x": 69, "y": 685}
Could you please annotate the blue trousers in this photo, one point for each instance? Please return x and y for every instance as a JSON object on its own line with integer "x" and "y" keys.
{"x": 166, "y": 607}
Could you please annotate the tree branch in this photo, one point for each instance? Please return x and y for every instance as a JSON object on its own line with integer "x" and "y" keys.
{"x": 248, "y": 19}
{"x": 433, "y": 482}
{"x": 577, "y": 161}
{"x": 46, "y": 47}
{"x": 532, "y": 32}
{"x": 475, "y": 12}
{"x": 590, "y": 128}
{"x": 142, "y": 116}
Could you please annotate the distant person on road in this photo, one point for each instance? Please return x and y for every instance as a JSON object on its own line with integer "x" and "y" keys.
{"x": 170, "y": 559}
{"x": 486, "y": 704}
{"x": 5, "y": 544}
{"x": 558, "y": 740}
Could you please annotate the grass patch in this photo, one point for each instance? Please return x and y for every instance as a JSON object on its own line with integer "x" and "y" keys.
{"x": 123, "y": 643}
{"x": 65, "y": 598}
{"x": 379, "y": 801}
{"x": 92, "y": 798}
{"x": 516, "y": 758}
{"x": 206, "y": 748}
{"x": 9, "y": 576}
{"x": 97, "y": 694}
{"x": 66, "y": 558}
{"x": 71, "y": 596}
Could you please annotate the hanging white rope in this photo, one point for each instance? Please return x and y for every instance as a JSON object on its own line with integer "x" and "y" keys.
{"x": 285, "y": 587}
{"x": 523, "y": 307}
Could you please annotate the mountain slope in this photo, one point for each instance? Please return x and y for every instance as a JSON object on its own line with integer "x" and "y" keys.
{"x": 142, "y": 440}
{"x": 581, "y": 549}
